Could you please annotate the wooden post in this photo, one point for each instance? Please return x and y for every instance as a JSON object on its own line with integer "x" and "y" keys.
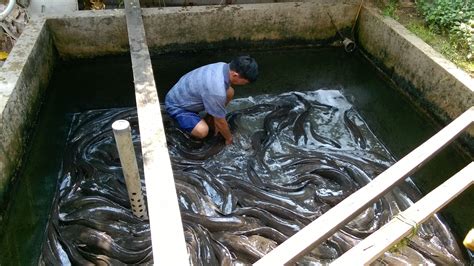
{"x": 167, "y": 236}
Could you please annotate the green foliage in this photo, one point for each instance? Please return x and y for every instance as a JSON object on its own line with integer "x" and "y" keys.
{"x": 390, "y": 9}
{"x": 396, "y": 248}
{"x": 452, "y": 17}
{"x": 442, "y": 44}
{"x": 422, "y": 31}
{"x": 465, "y": 32}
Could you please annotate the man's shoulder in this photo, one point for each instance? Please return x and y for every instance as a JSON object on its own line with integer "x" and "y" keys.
{"x": 214, "y": 66}
{"x": 213, "y": 78}
{"x": 217, "y": 64}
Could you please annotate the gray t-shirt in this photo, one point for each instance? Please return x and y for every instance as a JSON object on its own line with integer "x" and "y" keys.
{"x": 203, "y": 89}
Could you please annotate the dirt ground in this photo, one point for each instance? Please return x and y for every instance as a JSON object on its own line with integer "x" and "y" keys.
{"x": 406, "y": 13}
{"x": 10, "y": 29}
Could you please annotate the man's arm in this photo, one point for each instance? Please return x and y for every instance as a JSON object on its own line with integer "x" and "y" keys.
{"x": 223, "y": 128}
{"x": 229, "y": 95}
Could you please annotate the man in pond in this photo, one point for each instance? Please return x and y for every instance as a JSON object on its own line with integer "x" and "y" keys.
{"x": 209, "y": 88}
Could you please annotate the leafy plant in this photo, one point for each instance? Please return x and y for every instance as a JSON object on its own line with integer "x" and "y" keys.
{"x": 465, "y": 32}
{"x": 390, "y": 9}
{"x": 452, "y": 17}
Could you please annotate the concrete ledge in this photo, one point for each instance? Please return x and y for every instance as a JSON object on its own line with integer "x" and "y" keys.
{"x": 430, "y": 80}
{"x": 26, "y": 73}
{"x": 23, "y": 78}
{"x": 151, "y": 3}
{"x": 433, "y": 82}
{"x": 89, "y": 33}
{"x": 304, "y": 22}
{"x": 94, "y": 33}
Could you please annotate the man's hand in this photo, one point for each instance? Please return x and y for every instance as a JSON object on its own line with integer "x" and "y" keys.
{"x": 223, "y": 128}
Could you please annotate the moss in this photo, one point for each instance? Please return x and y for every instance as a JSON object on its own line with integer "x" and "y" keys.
{"x": 464, "y": 144}
{"x": 35, "y": 76}
{"x": 238, "y": 44}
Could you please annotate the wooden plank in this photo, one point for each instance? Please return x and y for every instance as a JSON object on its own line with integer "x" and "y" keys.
{"x": 169, "y": 247}
{"x": 323, "y": 227}
{"x": 377, "y": 243}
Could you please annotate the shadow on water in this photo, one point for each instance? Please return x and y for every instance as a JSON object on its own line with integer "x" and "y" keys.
{"x": 107, "y": 83}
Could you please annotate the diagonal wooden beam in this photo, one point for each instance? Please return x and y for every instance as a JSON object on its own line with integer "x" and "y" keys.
{"x": 328, "y": 223}
{"x": 377, "y": 243}
{"x": 169, "y": 247}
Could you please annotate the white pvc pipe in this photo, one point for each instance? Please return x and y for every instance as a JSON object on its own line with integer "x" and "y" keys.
{"x": 8, "y": 10}
{"x": 123, "y": 139}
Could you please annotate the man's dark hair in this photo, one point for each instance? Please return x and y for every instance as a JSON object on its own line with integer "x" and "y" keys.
{"x": 246, "y": 66}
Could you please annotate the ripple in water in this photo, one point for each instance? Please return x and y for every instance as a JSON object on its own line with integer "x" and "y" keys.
{"x": 294, "y": 156}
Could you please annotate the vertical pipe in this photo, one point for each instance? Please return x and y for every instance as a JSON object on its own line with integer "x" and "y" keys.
{"x": 123, "y": 139}
{"x": 7, "y": 10}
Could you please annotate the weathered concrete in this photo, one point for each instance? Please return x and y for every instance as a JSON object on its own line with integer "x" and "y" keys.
{"x": 167, "y": 235}
{"x": 171, "y": 3}
{"x": 39, "y": 7}
{"x": 430, "y": 80}
{"x": 202, "y": 26}
{"x": 23, "y": 78}
{"x": 155, "y": 3}
{"x": 92, "y": 33}
{"x": 89, "y": 33}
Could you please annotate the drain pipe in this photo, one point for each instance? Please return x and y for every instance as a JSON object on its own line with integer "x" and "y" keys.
{"x": 123, "y": 139}
{"x": 8, "y": 10}
{"x": 349, "y": 45}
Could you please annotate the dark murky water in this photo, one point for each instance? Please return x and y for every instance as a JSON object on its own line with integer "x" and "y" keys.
{"x": 294, "y": 156}
{"x": 107, "y": 83}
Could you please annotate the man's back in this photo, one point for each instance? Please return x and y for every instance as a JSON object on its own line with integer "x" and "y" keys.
{"x": 201, "y": 89}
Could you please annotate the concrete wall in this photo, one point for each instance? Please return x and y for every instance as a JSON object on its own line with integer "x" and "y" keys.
{"x": 25, "y": 74}
{"x": 37, "y": 7}
{"x": 431, "y": 81}
{"x": 156, "y": 3}
{"x": 92, "y": 33}
{"x": 232, "y": 25}
{"x": 23, "y": 78}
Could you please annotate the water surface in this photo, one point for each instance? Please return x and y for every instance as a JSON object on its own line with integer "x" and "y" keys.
{"x": 107, "y": 82}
